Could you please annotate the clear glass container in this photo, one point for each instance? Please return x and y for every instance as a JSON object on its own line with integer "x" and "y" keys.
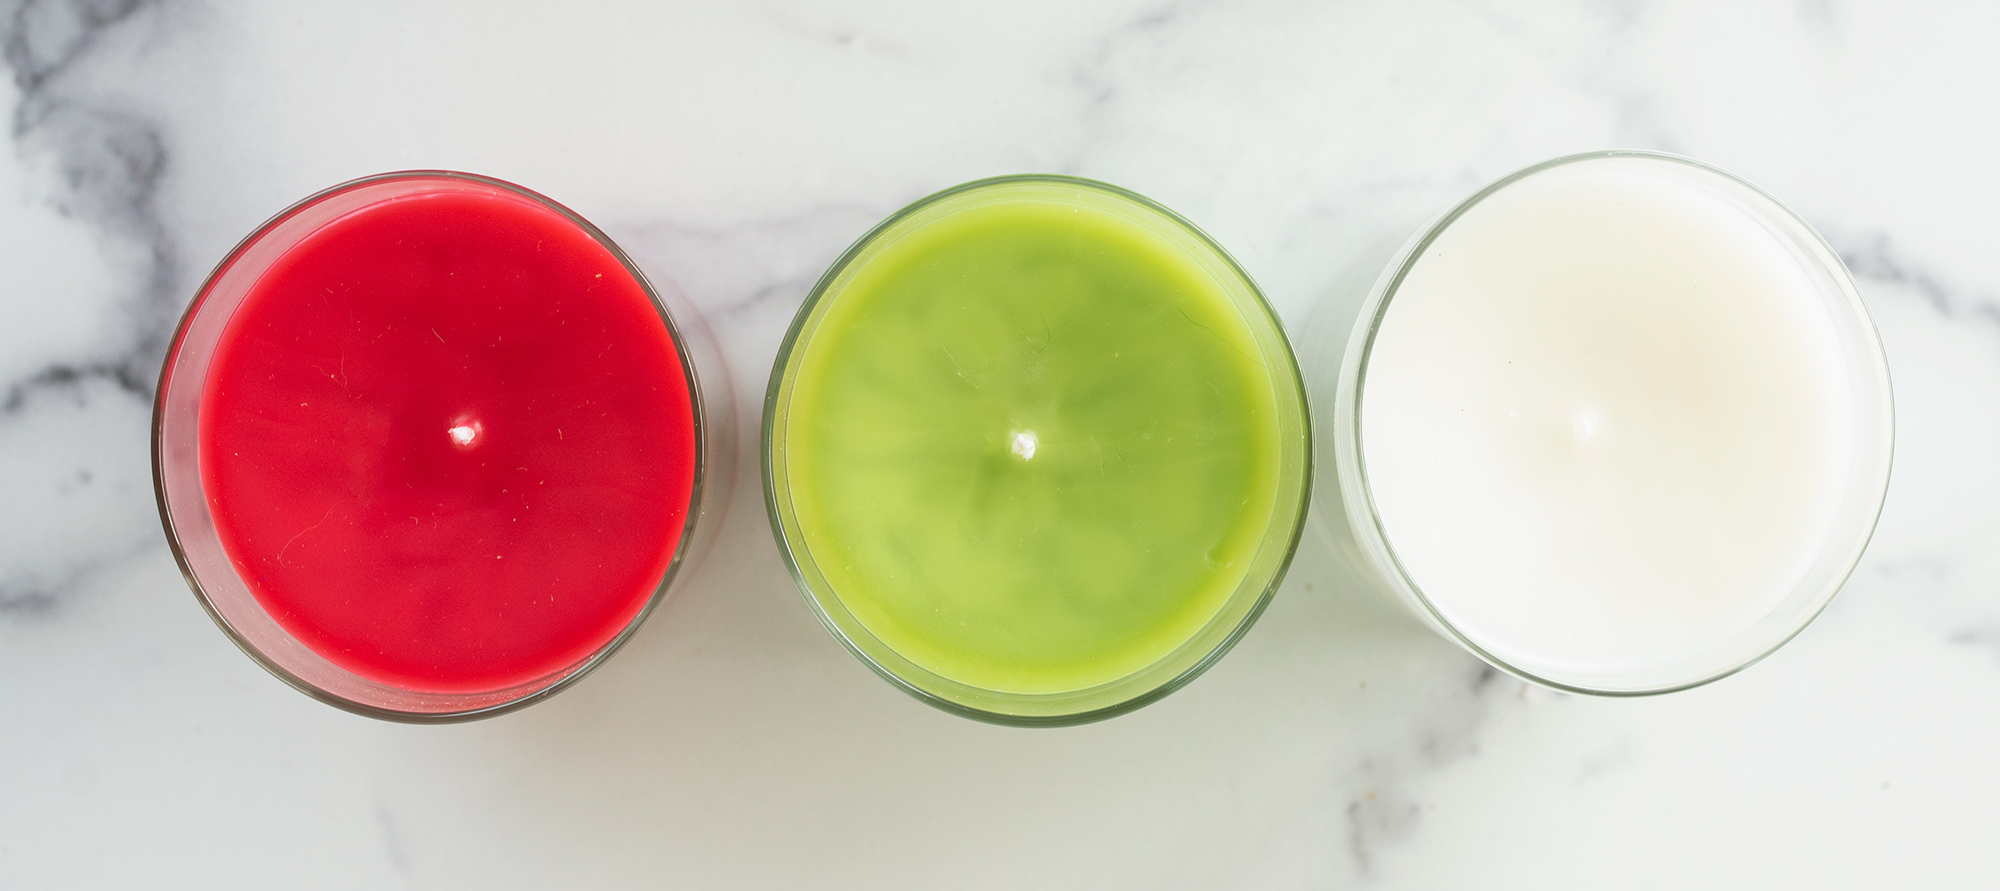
{"x": 1353, "y": 521}
{"x": 190, "y": 525}
{"x": 1202, "y": 646}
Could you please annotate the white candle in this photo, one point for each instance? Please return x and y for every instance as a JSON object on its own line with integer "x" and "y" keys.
{"x": 1622, "y": 422}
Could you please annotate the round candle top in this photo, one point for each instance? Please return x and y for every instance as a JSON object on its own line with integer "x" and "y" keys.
{"x": 1033, "y": 442}
{"x": 1608, "y": 420}
{"x": 448, "y": 441}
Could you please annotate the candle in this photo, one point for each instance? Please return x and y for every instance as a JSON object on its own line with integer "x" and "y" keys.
{"x": 1036, "y": 448}
{"x": 1620, "y": 424}
{"x": 446, "y": 440}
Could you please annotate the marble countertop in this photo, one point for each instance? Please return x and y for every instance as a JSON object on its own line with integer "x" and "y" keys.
{"x": 737, "y": 148}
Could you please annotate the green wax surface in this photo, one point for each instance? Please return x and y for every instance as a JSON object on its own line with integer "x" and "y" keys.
{"x": 1155, "y": 451}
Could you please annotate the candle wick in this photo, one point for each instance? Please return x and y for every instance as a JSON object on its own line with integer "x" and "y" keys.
{"x": 1024, "y": 444}
{"x": 1585, "y": 425}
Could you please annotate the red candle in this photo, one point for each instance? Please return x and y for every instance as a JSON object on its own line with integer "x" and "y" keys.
{"x": 447, "y": 438}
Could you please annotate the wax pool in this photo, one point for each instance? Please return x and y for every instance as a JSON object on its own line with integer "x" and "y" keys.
{"x": 1607, "y": 419}
{"x": 448, "y": 442}
{"x": 1032, "y": 445}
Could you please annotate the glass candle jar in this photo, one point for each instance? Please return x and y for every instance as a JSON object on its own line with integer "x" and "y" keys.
{"x": 429, "y": 447}
{"x": 1036, "y": 450}
{"x": 1618, "y": 423}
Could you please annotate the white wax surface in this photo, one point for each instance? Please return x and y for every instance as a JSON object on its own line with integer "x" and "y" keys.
{"x": 1603, "y": 420}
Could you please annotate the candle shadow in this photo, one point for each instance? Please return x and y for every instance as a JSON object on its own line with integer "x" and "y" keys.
{"x": 734, "y": 737}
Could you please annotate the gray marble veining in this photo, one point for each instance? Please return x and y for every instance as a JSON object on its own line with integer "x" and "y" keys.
{"x": 66, "y": 416}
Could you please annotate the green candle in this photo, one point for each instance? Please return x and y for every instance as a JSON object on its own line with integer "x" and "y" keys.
{"x": 1036, "y": 446}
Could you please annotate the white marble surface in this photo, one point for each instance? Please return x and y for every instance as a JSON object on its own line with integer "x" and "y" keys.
{"x": 737, "y": 148}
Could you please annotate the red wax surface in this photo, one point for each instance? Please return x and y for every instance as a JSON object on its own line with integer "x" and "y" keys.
{"x": 448, "y": 442}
